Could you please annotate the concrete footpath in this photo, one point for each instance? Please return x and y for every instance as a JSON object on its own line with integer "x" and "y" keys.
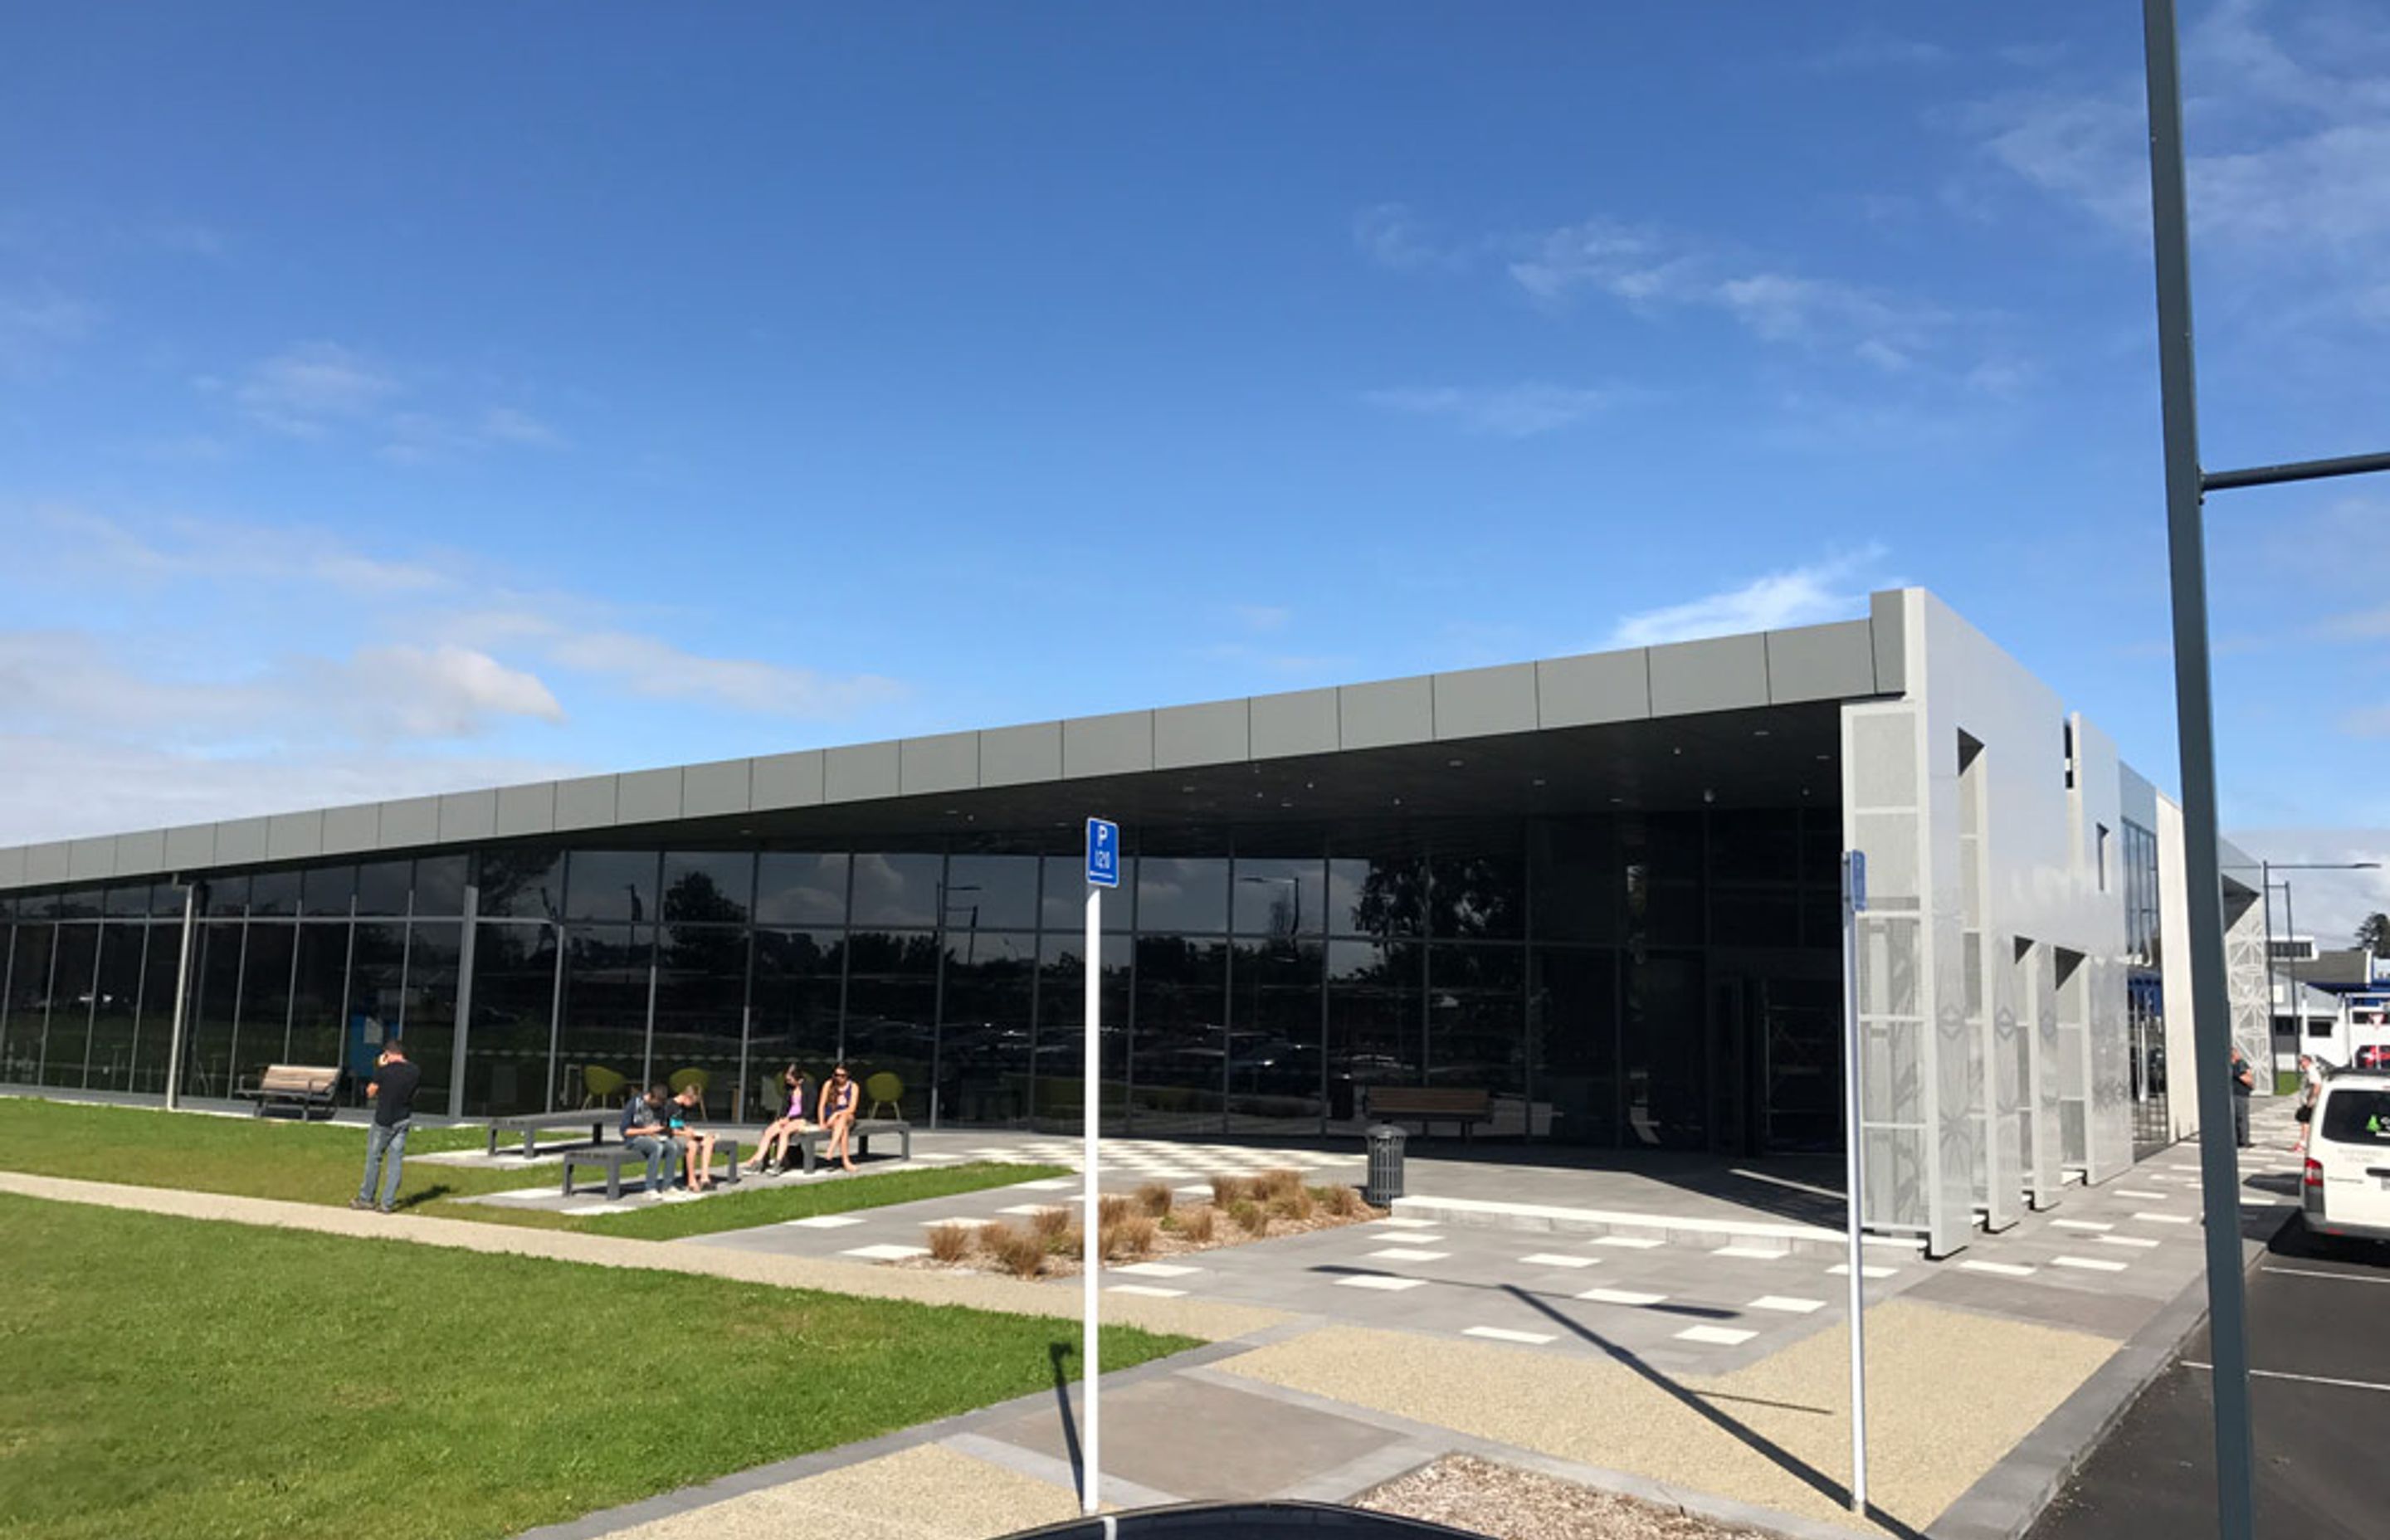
{"x": 1986, "y": 1384}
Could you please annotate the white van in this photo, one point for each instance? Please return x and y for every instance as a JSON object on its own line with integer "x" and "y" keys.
{"x": 2348, "y": 1185}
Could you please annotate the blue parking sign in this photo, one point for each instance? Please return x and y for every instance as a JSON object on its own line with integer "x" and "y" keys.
{"x": 1103, "y": 853}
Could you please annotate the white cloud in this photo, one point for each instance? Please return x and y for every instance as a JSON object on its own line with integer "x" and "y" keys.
{"x": 509, "y": 425}
{"x": 306, "y": 390}
{"x": 1390, "y": 234}
{"x": 321, "y": 390}
{"x": 1835, "y": 588}
{"x": 1873, "y": 48}
{"x": 1263, "y": 617}
{"x": 654, "y": 668}
{"x": 33, "y": 328}
{"x": 1510, "y": 412}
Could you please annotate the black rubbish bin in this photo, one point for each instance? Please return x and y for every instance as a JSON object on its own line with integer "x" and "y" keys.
{"x": 1385, "y": 1183}
{"x": 1245, "y": 1522}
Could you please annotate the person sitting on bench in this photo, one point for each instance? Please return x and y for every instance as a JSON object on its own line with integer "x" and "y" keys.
{"x": 838, "y": 1099}
{"x": 772, "y": 1149}
{"x": 646, "y": 1133}
{"x": 695, "y": 1145}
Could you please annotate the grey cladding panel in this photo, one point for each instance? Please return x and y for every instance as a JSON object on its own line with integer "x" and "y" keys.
{"x": 294, "y": 836}
{"x": 1821, "y": 662}
{"x": 526, "y": 809}
{"x": 1884, "y": 612}
{"x": 787, "y": 780}
{"x": 1723, "y": 673}
{"x": 1602, "y": 687}
{"x": 1218, "y": 732}
{"x": 47, "y": 863}
{"x": 191, "y": 847}
{"x": 468, "y": 814}
{"x": 1302, "y": 722}
{"x": 91, "y": 860}
{"x": 861, "y": 772}
{"x": 587, "y": 803}
{"x": 350, "y": 829}
{"x": 140, "y": 854}
{"x": 1121, "y": 744}
{"x": 1389, "y": 712}
{"x": 947, "y": 762}
{"x": 1478, "y": 703}
{"x": 12, "y": 867}
{"x": 712, "y": 790}
{"x": 239, "y": 840}
{"x": 647, "y": 797}
{"x": 1020, "y": 756}
{"x": 415, "y": 821}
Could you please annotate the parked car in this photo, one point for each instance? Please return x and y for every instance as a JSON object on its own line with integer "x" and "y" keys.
{"x": 2347, "y": 1188}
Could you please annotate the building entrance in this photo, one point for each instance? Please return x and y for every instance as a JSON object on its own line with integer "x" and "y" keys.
{"x": 1779, "y": 1088}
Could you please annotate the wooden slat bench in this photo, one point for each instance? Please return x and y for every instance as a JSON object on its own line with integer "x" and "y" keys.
{"x": 615, "y": 1157}
{"x": 1428, "y": 1105}
{"x": 807, "y": 1145}
{"x": 303, "y": 1086}
{"x": 529, "y": 1123}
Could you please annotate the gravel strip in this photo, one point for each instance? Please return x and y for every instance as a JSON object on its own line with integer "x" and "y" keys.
{"x": 1507, "y": 1504}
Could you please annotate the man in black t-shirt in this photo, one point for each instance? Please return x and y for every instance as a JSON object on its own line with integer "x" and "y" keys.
{"x": 392, "y": 1092}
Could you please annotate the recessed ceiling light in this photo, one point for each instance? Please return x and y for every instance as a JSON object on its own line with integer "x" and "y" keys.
{"x": 1537, "y": 781}
{"x": 1759, "y": 732}
{"x": 1455, "y": 764}
{"x": 1617, "y": 799}
{"x": 1186, "y": 788}
{"x": 1824, "y": 758}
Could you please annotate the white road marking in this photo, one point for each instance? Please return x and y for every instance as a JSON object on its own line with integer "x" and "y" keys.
{"x": 2319, "y": 1273}
{"x": 1060, "y": 1183}
{"x": 826, "y": 1221}
{"x": 1556, "y": 1259}
{"x": 2089, "y": 1264}
{"x": 1203, "y": 1191}
{"x": 1499, "y": 1334}
{"x": 936, "y": 1155}
{"x": 1399, "y": 1222}
{"x": 1620, "y": 1296}
{"x": 1147, "y": 1291}
{"x": 1406, "y": 1254}
{"x": 1635, "y": 1242}
{"x": 1843, "y": 1270}
{"x": 2081, "y": 1224}
{"x": 1041, "y": 1208}
{"x": 1158, "y": 1269}
{"x": 2134, "y": 1192}
{"x": 1755, "y": 1253}
{"x": 2005, "y": 1269}
{"x": 1785, "y": 1306}
{"x": 1379, "y": 1280}
{"x": 2302, "y": 1379}
{"x": 2166, "y": 1218}
{"x": 1720, "y": 1336}
{"x": 2125, "y": 1240}
{"x": 887, "y": 1253}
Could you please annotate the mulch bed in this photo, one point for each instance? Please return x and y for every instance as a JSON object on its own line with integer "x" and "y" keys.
{"x": 1506, "y": 1503}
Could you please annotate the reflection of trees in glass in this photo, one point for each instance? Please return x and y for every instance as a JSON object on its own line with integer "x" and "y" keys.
{"x": 1462, "y": 897}
{"x": 524, "y": 882}
{"x": 707, "y": 933}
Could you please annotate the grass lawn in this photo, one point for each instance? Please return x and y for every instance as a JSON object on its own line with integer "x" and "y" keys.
{"x": 321, "y": 1162}
{"x": 202, "y": 1379}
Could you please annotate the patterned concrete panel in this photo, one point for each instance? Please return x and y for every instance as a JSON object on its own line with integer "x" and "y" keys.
{"x": 242, "y": 840}
{"x": 1218, "y": 732}
{"x": 1300, "y": 722}
{"x": 1391, "y": 711}
{"x": 1020, "y": 756}
{"x": 587, "y": 803}
{"x": 647, "y": 796}
{"x": 294, "y": 836}
{"x": 1602, "y": 687}
{"x": 414, "y": 821}
{"x": 526, "y": 809}
{"x": 715, "y": 790}
{"x": 1478, "y": 703}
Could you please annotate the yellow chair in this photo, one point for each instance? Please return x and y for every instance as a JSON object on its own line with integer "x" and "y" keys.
{"x": 604, "y": 1086}
{"x": 683, "y": 1079}
{"x": 884, "y": 1090}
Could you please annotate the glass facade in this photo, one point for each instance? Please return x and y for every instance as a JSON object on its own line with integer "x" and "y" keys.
{"x": 1256, "y": 981}
{"x": 2144, "y": 993}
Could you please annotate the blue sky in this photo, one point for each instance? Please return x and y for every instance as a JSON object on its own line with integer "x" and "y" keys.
{"x": 398, "y": 400}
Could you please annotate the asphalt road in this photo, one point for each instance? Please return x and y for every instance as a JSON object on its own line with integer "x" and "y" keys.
{"x": 2319, "y": 1352}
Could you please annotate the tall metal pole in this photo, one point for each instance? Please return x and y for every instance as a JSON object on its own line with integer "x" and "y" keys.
{"x": 2266, "y": 892}
{"x": 2219, "y": 1164}
{"x": 1854, "y": 1172}
{"x": 1091, "y": 1237}
{"x": 182, "y": 1002}
{"x": 2291, "y": 985}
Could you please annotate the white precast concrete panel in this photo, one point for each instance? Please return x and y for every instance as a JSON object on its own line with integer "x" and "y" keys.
{"x": 2174, "y": 973}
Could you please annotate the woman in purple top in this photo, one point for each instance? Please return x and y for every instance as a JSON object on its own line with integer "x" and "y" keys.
{"x": 772, "y": 1149}
{"x": 838, "y": 1116}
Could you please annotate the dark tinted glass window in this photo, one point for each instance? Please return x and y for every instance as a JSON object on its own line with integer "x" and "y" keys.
{"x": 799, "y": 888}
{"x": 1064, "y": 906}
{"x": 1575, "y": 878}
{"x": 127, "y": 898}
{"x": 381, "y": 888}
{"x": 273, "y": 893}
{"x": 1477, "y": 895}
{"x": 2354, "y": 1115}
{"x": 605, "y": 884}
{"x": 439, "y": 885}
{"x": 521, "y": 884}
{"x": 505, "y": 1053}
{"x": 1181, "y": 893}
{"x": 709, "y": 887}
{"x": 116, "y": 1005}
{"x": 994, "y": 893}
{"x": 226, "y": 896}
{"x": 1380, "y": 897}
{"x": 326, "y": 890}
{"x": 1274, "y": 897}
{"x": 431, "y": 1010}
{"x": 81, "y": 904}
{"x": 900, "y": 888}
{"x": 69, "y": 1041}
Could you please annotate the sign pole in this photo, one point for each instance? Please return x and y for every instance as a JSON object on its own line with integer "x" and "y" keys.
{"x": 1854, "y": 1166}
{"x": 1103, "y": 871}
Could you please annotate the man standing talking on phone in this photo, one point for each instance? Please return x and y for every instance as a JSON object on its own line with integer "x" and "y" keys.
{"x": 392, "y": 1092}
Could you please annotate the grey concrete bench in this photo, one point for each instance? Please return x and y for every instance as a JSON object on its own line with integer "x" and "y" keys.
{"x": 1428, "y": 1105}
{"x": 615, "y": 1157}
{"x": 808, "y": 1144}
{"x": 529, "y": 1123}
